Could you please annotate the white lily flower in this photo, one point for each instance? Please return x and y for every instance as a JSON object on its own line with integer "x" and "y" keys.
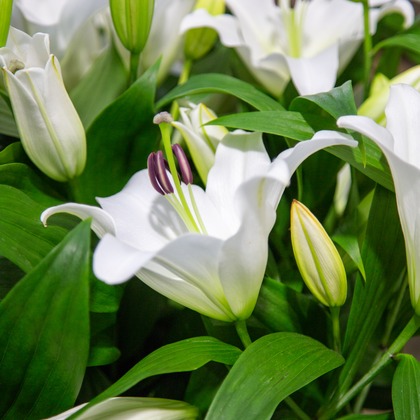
{"x": 135, "y": 408}
{"x": 400, "y": 143}
{"x": 209, "y": 253}
{"x": 201, "y": 140}
{"x": 165, "y": 40}
{"x": 59, "y": 18}
{"x": 49, "y": 126}
{"x": 310, "y": 43}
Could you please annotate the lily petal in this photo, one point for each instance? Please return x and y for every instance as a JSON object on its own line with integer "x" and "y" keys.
{"x": 102, "y": 222}
{"x": 306, "y": 72}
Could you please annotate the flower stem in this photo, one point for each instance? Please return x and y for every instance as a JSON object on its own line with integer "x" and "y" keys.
{"x": 409, "y": 330}
{"x": 243, "y": 334}
{"x": 134, "y": 66}
{"x": 335, "y": 319}
{"x": 367, "y": 48}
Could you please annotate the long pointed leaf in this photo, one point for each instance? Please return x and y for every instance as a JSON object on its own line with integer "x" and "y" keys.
{"x": 44, "y": 340}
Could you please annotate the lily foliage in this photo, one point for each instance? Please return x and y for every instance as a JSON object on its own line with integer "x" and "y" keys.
{"x": 217, "y": 220}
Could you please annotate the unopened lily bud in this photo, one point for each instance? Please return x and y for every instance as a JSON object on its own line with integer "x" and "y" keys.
{"x": 49, "y": 127}
{"x": 199, "y": 41}
{"x": 201, "y": 139}
{"x": 317, "y": 258}
{"x": 132, "y": 21}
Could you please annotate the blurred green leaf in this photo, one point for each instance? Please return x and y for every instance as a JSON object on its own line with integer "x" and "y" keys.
{"x": 350, "y": 244}
{"x": 105, "y": 80}
{"x": 406, "y": 388}
{"x": 382, "y": 416}
{"x": 44, "y": 326}
{"x": 5, "y": 16}
{"x": 13, "y": 153}
{"x": 410, "y": 42}
{"x": 120, "y": 140}
{"x": 182, "y": 356}
{"x": 23, "y": 238}
{"x": 383, "y": 259}
{"x": 282, "y": 123}
{"x": 269, "y": 370}
{"x": 219, "y": 83}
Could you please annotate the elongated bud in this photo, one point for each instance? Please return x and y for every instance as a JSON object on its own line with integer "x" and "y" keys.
{"x": 132, "y": 21}
{"x": 199, "y": 41}
{"x": 49, "y": 127}
{"x": 317, "y": 258}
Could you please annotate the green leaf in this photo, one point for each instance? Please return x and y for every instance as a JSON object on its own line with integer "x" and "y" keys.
{"x": 410, "y": 42}
{"x": 105, "y": 80}
{"x": 384, "y": 416}
{"x": 120, "y": 139}
{"x": 269, "y": 370}
{"x": 23, "y": 238}
{"x": 350, "y": 244}
{"x": 44, "y": 324}
{"x": 219, "y": 83}
{"x": 383, "y": 259}
{"x": 5, "y": 16}
{"x": 367, "y": 157}
{"x": 13, "y": 153}
{"x": 182, "y": 356}
{"x": 405, "y": 388}
{"x": 282, "y": 123}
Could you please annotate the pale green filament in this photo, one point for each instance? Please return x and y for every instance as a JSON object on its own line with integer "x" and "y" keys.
{"x": 179, "y": 203}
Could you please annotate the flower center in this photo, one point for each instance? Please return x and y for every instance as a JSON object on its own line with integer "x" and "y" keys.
{"x": 159, "y": 167}
{"x": 293, "y": 20}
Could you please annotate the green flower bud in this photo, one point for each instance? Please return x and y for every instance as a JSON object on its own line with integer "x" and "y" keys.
{"x": 199, "y": 41}
{"x": 317, "y": 258}
{"x": 132, "y": 20}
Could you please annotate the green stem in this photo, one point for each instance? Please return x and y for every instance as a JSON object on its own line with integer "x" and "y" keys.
{"x": 367, "y": 48}
{"x": 243, "y": 334}
{"x": 296, "y": 409}
{"x": 335, "y": 320}
{"x": 73, "y": 190}
{"x": 409, "y": 330}
{"x": 134, "y": 67}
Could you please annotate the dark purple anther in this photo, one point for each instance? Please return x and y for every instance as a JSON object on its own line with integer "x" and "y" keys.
{"x": 184, "y": 166}
{"x": 152, "y": 173}
{"x": 161, "y": 174}
{"x": 159, "y": 179}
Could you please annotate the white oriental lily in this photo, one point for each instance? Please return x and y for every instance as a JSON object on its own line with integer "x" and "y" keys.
{"x": 49, "y": 126}
{"x": 210, "y": 253}
{"x": 400, "y": 142}
{"x": 61, "y": 19}
{"x": 310, "y": 43}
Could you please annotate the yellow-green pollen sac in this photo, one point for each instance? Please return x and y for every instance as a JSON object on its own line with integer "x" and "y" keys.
{"x": 158, "y": 168}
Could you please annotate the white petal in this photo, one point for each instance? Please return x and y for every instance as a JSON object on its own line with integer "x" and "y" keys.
{"x": 187, "y": 271}
{"x": 115, "y": 262}
{"x": 296, "y": 155}
{"x": 143, "y": 218}
{"x": 244, "y": 256}
{"x": 225, "y": 25}
{"x": 367, "y": 127}
{"x": 239, "y": 157}
{"x": 102, "y": 222}
{"x": 403, "y": 7}
{"x": 403, "y": 122}
{"x": 315, "y": 74}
